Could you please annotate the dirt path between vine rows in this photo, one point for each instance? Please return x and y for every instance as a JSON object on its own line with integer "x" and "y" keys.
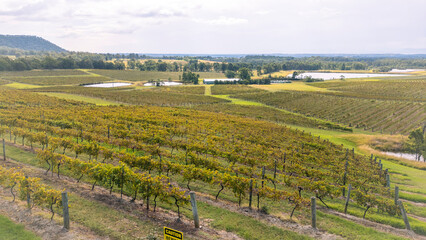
{"x": 378, "y": 226}
{"x": 308, "y": 230}
{"x": 419, "y": 204}
{"x": 268, "y": 219}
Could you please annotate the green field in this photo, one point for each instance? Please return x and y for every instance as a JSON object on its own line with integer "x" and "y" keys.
{"x": 294, "y": 86}
{"x": 17, "y": 85}
{"x": 74, "y": 97}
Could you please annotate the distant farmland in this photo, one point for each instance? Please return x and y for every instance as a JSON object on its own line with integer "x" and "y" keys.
{"x": 134, "y": 75}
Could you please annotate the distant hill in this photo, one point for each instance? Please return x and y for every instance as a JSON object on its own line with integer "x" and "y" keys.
{"x": 29, "y": 43}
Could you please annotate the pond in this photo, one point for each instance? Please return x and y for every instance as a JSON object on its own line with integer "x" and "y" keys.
{"x": 109, "y": 85}
{"x": 409, "y": 156}
{"x": 406, "y": 70}
{"x": 164, "y": 84}
{"x": 331, "y": 76}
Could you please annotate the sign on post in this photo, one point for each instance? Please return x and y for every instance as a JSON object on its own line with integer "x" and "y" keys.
{"x": 171, "y": 234}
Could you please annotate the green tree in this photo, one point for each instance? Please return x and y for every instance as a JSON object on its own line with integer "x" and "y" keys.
{"x": 230, "y": 74}
{"x": 259, "y": 70}
{"x": 190, "y": 77}
{"x": 161, "y": 66}
{"x": 66, "y": 63}
{"x": 49, "y": 63}
{"x": 417, "y": 139}
{"x": 244, "y": 73}
{"x": 131, "y": 64}
{"x": 119, "y": 65}
{"x": 150, "y": 65}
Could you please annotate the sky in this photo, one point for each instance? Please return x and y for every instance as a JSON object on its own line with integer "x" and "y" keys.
{"x": 222, "y": 26}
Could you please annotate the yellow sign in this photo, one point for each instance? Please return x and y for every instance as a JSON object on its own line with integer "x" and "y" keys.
{"x": 171, "y": 234}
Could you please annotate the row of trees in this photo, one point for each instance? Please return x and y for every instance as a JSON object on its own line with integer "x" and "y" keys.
{"x": 49, "y": 62}
{"x": 21, "y": 64}
{"x": 97, "y": 61}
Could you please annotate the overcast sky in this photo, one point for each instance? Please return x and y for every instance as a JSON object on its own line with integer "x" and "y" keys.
{"x": 222, "y": 26}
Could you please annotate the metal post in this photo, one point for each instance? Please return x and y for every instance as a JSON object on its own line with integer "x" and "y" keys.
{"x": 28, "y": 192}
{"x": 348, "y": 197}
{"x": 4, "y": 150}
{"x": 194, "y": 210}
{"x": 122, "y": 182}
{"x": 387, "y": 181}
{"x": 396, "y": 195}
{"x": 314, "y": 212}
{"x": 404, "y": 215}
{"x": 251, "y": 192}
{"x": 275, "y": 170}
{"x": 65, "y": 210}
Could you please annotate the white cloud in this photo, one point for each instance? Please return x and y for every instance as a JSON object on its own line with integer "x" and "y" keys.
{"x": 193, "y": 26}
{"x": 222, "y": 20}
{"x": 263, "y": 12}
{"x": 321, "y": 13}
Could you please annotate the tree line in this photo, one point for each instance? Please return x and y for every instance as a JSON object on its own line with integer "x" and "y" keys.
{"x": 229, "y": 66}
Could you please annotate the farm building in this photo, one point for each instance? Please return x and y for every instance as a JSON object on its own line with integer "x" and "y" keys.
{"x": 215, "y": 80}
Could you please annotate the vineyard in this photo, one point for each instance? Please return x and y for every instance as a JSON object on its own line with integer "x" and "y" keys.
{"x": 179, "y": 89}
{"x": 154, "y": 97}
{"x": 227, "y": 153}
{"x": 411, "y": 89}
{"x": 368, "y": 114}
{"x": 197, "y": 141}
{"x": 159, "y": 154}
{"x": 270, "y": 114}
{"x": 233, "y": 89}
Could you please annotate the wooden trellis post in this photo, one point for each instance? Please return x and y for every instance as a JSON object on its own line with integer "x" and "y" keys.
{"x": 314, "y": 212}
{"x": 65, "y": 210}
{"x": 194, "y": 210}
{"x": 404, "y": 215}
{"x": 4, "y": 150}
{"x": 251, "y": 193}
{"x": 396, "y": 195}
{"x": 348, "y": 197}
